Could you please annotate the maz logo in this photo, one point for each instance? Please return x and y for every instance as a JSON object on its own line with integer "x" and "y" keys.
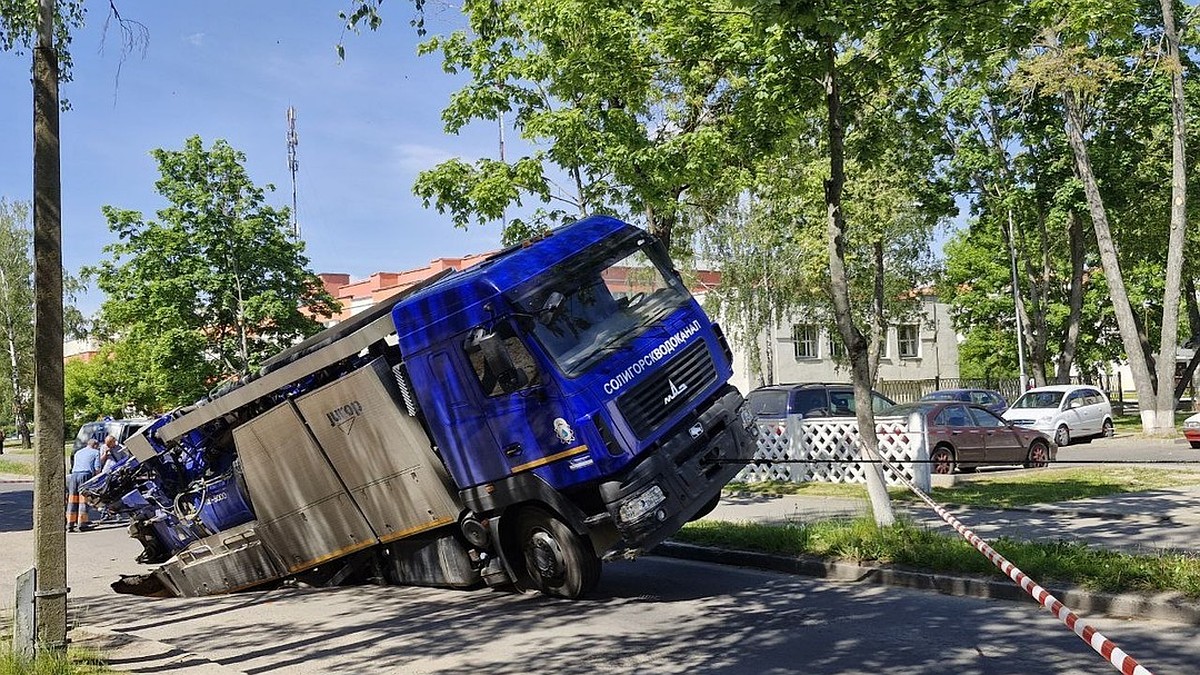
{"x": 675, "y": 392}
{"x": 343, "y": 416}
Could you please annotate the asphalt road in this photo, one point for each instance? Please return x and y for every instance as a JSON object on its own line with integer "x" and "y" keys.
{"x": 650, "y": 616}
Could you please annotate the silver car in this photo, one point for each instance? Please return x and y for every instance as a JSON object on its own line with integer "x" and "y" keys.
{"x": 1065, "y": 412}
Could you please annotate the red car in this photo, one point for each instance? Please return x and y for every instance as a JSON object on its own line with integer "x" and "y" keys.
{"x": 965, "y": 436}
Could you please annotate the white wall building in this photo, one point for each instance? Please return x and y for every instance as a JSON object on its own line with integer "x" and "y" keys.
{"x": 804, "y": 350}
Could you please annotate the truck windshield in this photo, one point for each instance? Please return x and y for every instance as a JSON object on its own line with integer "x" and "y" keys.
{"x": 590, "y": 306}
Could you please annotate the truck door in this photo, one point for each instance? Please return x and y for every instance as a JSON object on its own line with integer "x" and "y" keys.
{"x": 524, "y": 408}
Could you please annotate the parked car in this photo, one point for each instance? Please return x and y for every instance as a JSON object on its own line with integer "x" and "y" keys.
{"x": 987, "y": 398}
{"x": 120, "y": 429}
{"x": 813, "y": 399}
{"x": 1191, "y": 430}
{"x": 1066, "y": 412}
{"x": 964, "y": 436}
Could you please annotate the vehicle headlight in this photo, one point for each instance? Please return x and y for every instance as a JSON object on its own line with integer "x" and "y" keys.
{"x": 1191, "y": 424}
{"x": 1043, "y": 421}
{"x": 747, "y": 416}
{"x": 642, "y": 503}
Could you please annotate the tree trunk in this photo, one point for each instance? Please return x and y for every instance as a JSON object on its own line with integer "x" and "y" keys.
{"x": 856, "y": 345}
{"x": 878, "y": 329}
{"x": 1112, "y": 266}
{"x": 1074, "y": 301}
{"x": 1169, "y": 340}
{"x": 49, "y": 524}
{"x": 1039, "y": 280}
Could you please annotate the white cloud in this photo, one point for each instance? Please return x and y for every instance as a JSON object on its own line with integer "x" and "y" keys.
{"x": 413, "y": 157}
{"x": 196, "y": 39}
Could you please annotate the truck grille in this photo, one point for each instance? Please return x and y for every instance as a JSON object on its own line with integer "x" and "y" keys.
{"x": 670, "y": 389}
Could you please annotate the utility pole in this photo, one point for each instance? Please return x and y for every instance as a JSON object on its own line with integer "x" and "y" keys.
{"x": 292, "y": 141}
{"x": 50, "y": 537}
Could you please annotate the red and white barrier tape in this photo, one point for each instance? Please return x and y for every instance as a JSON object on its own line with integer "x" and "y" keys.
{"x": 1102, "y": 645}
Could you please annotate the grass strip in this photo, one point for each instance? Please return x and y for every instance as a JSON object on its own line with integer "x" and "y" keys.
{"x": 74, "y": 661}
{"x": 16, "y": 468}
{"x": 1005, "y": 489}
{"x": 911, "y": 546}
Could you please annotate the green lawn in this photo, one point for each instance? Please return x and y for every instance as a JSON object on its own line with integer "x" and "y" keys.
{"x": 73, "y": 662}
{"x": 14, "y": 467}
{"x": 1005, "y": 489}
{"x": 910, "y": 546}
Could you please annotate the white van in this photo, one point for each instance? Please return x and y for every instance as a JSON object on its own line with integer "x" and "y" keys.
{"x": 1065, "y": 412}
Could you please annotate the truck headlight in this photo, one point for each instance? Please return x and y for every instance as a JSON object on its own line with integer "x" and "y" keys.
{"x": 747, "y": 416}
{"x": 642, "y": 503}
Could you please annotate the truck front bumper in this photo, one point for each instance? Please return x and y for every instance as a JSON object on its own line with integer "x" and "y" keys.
{"x": 691, "y": 465}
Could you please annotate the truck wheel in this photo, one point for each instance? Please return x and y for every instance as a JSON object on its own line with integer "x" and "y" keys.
{"x": 558, "y": 561}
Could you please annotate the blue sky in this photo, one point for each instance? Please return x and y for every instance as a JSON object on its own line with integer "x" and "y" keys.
{"x": 229, "y": 69}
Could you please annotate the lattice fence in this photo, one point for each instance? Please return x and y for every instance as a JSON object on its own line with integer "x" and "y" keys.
{"x": 828, "y": 450}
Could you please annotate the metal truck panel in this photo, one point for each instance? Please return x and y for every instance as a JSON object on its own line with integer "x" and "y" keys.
{"x": 222, "y": 563}
{"x": 380, "y": 453}
{"x": 321, "y": 350}
{"x": 305, "y": 513}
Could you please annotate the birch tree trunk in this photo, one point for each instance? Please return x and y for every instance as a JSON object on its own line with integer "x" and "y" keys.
{"x": 1112, "y": 266}
{"x": 856, "y": 345}
{"x": 1168, "y": 344}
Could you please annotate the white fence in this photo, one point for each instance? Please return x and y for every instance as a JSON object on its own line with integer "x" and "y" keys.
{"x": 828, "y": 449}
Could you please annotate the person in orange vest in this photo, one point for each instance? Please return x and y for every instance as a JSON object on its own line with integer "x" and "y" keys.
{"x": 84, "y": 465}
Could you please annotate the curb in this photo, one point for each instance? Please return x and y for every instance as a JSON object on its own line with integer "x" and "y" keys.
{"x": 128, "y": 653}
{"x": 1172, "y": 607}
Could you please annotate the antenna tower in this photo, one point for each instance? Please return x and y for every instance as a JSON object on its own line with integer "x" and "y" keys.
{"x": 293, "y": 164}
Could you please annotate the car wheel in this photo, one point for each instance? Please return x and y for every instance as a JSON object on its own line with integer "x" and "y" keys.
{"x": 1062, "y": 437}
{"x": 1195, "y": 444}
{"x": 558, "y": 561}
{"x": 941, "y": 461}
{"x": 1106, "y": 430}
{"x": 1039, "y": 455}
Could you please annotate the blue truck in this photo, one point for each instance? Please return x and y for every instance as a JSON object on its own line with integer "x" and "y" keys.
{"x": 562, "y": 403}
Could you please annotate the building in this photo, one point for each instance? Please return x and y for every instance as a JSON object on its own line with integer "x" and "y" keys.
{"x": 358, "y": 295}
{"x": 801, "y": 350}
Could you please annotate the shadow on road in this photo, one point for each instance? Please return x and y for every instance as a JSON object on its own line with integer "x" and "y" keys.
{"x": 16, "y": 510}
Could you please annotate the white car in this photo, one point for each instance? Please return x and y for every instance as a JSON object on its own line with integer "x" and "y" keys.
{"x": 1065, "y": 412}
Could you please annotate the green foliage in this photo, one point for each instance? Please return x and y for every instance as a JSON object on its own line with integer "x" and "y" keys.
{"x": 636, "y": 108}
{"x": 16, "y": 316}
{"x": 205, "y": 292}
{"x": 18, "y": 28}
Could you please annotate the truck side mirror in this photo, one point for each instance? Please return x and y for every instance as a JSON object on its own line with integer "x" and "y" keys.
{"x": 496, "y": 358}
{"x": 551, "y": 307}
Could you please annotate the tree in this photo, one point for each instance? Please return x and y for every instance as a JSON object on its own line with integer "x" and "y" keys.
{"x": 634, "y": 108}
{"x": 213, "y": 286}
{"x": 16, "y": 315}
{"x": 1075, "y": 61}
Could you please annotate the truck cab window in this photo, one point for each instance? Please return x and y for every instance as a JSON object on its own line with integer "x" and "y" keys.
{"x": 493, "y": 379}
{"x": 587, "y": 309}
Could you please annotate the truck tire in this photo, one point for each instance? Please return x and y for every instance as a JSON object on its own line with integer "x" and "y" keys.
{"x": 558, "y": 561}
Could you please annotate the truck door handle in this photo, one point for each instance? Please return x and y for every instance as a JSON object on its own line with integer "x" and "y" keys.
{"x": 512, "y": 449}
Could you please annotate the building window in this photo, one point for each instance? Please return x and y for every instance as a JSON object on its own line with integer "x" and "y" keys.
{"x": 804, "y": 339}
{"x": 837, "y": 349}
{"x": 907, "y": 341}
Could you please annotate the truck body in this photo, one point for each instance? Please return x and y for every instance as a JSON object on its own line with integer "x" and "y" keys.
{"x": 562, "y": 403}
